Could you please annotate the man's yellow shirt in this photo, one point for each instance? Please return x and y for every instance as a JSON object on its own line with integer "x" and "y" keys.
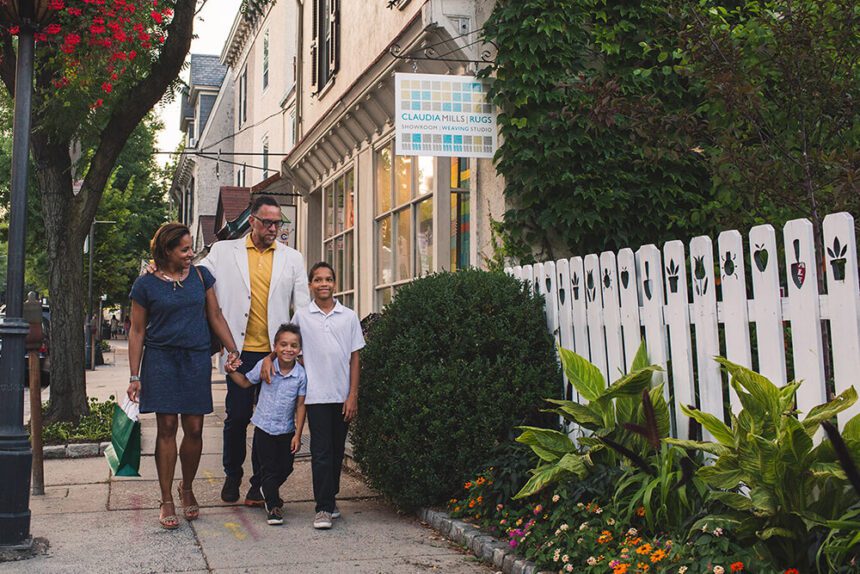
{"x": 260, "y": 271}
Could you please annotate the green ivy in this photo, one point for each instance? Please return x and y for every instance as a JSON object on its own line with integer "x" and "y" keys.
{"x": 599, "y": 145}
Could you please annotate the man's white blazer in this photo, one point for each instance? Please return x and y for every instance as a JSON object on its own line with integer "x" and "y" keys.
{"x": 228, "y": 262}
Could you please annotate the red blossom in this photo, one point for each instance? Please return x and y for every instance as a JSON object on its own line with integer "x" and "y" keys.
{"x": 56, "y": 5}
{"x": 98, "y": 103}
{"x": 156, "y": 16}
{"x": 107, "y": 87}
{"x": 14, "y": 30}
{"x": 74, "y": 11}
{"x": 53, "y": 28}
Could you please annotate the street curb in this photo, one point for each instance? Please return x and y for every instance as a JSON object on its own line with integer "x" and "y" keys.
{"x": 74, "y": 450}
{"x": 487, "y": 548}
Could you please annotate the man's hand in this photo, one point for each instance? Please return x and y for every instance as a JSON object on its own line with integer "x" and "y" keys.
{"x": 267, "y": 369}
{"x": 350, "y": 408}
{"x": 151, "y": 267}
{"x": 296, "y": 444}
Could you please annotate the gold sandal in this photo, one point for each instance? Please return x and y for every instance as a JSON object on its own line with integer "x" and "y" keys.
{"x": 190, "y": 511}
{"x": 169, "y": 522}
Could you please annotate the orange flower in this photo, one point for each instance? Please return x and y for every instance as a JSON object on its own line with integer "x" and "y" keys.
{"x": 471, "y": 504}
{"x": 481, "y": 480}
{"x": 792, "y": 571}
{"x": 644, "y": 549}
{"x": 658, "y": 555}
{"x": 604, "y": 537}
{"x": 642, "y": 567}
{"x": 620, "y": 568}
{"x": 468, "y": 485}
{"x": 640, "y": 511}
{"x": 480, "y": 499}
{"x": 737, "y": 567}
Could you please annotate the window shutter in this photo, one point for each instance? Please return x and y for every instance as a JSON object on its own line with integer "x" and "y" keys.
{"x": 334, "y": 37}
{"x": 315, "y": 36}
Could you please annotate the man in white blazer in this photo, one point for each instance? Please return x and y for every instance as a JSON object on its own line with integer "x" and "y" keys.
{"x": 257, "y": 280}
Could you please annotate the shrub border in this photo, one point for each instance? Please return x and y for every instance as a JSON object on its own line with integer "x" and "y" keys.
{"x": 486, "y": 547}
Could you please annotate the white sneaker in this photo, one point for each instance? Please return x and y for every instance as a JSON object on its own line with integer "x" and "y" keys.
{"x": 336, "y": 512}
{"x": 322, "y": 521}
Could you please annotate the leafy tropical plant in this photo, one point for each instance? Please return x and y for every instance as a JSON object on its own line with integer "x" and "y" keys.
{"x": 609, "y": 408}
{"x": 775, "y": 484}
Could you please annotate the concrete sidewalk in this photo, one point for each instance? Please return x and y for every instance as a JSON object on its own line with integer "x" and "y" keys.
{"x": 94, "y": 522}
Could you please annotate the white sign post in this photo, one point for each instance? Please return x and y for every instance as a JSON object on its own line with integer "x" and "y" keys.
{"x": 287, "y": 234}
{"x": 438, "y": 115}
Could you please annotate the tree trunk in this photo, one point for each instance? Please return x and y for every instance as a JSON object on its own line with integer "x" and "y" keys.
{"x": 65, "y": 276}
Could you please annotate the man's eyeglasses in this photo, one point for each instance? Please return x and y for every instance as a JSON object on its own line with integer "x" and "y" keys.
{"x": 279, "y": 223}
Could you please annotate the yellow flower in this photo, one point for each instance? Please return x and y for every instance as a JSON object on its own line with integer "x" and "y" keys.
{"x": 658, "y": 555}
{"x": 644, "y": 549}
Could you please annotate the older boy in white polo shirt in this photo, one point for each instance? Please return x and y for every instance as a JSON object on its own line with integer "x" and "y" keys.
{"x": 332, "y": 338}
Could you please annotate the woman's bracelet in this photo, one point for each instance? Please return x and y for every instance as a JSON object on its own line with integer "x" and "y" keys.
{"x": 134, "y": 379}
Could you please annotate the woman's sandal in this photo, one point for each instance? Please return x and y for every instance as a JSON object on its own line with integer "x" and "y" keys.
{"x": 170, "y": 522}
{"x": 190, "y": 511}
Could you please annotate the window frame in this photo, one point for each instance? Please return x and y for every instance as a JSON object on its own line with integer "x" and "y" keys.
{"x": 265, "y": 81}
{"x": 328, "y": 189}
{"x": 243, "y": 97}
{"x": 412, "y": 205}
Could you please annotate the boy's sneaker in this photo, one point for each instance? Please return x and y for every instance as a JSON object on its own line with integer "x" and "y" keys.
{"x": 230, "y": 490}
{"x": 336, "y": 512}
{"x": 275, "y": 516}
{"x": 322, "y": 521}
{"x": 254, "y": 497}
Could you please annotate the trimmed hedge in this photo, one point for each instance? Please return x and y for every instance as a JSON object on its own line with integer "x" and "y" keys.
{"x": 453, "y": 364}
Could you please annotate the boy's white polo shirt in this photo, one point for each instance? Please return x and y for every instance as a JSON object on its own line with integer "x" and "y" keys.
{"x": 328, "y": 341}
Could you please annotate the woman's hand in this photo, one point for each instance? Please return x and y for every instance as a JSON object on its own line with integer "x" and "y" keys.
{"x": 296, "y": 444}
{"x": 133, "y": 391}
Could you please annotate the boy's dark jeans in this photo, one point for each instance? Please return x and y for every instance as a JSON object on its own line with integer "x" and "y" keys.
{"x": 276, "y": 463}
{"x": 239, "y": 405}
{"x": 328, "y": 439}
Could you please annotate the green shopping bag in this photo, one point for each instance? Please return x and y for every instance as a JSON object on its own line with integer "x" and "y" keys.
{"x": 123, "y": 452}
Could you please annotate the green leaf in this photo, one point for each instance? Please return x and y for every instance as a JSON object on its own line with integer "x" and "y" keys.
{"x": 827, "y": 470}
{"x": 723, "y": 478}
{"x": 585, "y": 377}
{"x": 720, "y": 431}
{"x": 769, "y": 533}
{"x": 732, "y": 500}
{"x": 762, "y": 390}
{"x": 580, "y": 414}
{"x": 764, "y": 501}
{"x": 546, "y": 440}
{"x": 632, "y": 383}
{"x": 851, "y": 431}
{"x": 549, "y": 474}
{"x": 640, "y": 360}
{"x": 710, "y": 447}
{"x": 795, "y": 443}
{"x": 829, "y": 410}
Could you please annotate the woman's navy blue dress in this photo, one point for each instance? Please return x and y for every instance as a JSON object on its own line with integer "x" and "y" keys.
{"x": 176, "y": 374}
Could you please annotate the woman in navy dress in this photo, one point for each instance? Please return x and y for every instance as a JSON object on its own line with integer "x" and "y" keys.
{"x": 170, "y": 359}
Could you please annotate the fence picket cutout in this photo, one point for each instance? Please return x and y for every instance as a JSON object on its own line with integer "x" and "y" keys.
{"x": 767, "y": 304}
{"x": 594, "y": 313}
{"x": 804, "y": 313}
{"x": 629, "y": 300}
{"x": 600, "y": 306}
{"x": 734, "y": 310}
{"x": 843, "y": 297}
{"x": 611, "y": 315}
{"x": 579, "y": 319}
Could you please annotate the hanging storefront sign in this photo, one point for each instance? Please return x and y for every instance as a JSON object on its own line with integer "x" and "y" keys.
{"x": 438, "y": 115}
{"x": 287, "y": 233}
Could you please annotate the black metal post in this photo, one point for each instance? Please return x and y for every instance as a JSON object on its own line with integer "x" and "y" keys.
{"x": 15, "y": 454}
{"x": 88, "y": 336}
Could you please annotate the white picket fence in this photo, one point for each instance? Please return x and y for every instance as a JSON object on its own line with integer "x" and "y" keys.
{"x": 602, "y": 306}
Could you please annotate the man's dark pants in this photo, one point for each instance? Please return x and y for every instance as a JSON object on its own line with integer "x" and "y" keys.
{"x": 328, "y": 439}
{"x": 276, "y": 463}
{"x": 240, "y": 406}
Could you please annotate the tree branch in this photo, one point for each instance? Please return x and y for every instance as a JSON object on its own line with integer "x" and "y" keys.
{"x": 146, "y": 94}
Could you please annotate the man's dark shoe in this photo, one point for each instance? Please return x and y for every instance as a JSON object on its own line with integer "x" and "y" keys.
{"x": 254, "y": 497}
{"x": 230, "y": 490}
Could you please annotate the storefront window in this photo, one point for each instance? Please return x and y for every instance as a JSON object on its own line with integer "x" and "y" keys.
{"x": 404, "y": 220}
{"x": 460, "y": 225}
{"x": 339, "y": 236}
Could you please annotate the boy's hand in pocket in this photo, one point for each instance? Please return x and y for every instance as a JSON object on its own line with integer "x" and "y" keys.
{"x": 296, "y": 444}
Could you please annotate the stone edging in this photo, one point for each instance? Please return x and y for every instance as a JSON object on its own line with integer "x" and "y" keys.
{"x": 75, "y": 450}
{"x": 485, "y": 547}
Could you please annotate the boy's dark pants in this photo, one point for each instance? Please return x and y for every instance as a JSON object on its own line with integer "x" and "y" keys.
{"x": 276, "y": 463}
{"x": 328, "y": 439}
{"x": 239, "y": 405}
